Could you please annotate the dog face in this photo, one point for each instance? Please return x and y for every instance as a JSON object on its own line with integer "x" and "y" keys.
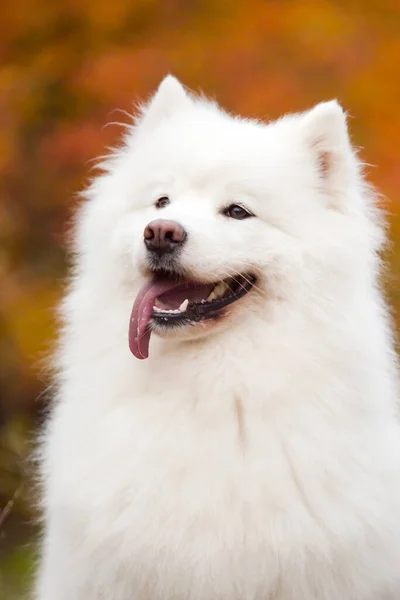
{"x": 215, "y": 216}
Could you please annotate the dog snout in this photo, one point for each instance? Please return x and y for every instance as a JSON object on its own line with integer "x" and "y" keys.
{"x": 164, "y": 236}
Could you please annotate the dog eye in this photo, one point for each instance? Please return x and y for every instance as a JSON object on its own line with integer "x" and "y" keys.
{"x": 162, "y": 202}
{"x": 235, "y": 211}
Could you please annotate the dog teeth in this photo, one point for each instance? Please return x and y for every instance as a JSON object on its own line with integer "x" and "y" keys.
{"x": 166, "y": 311}
{"x": 183, "y": 306}
{"x": 219, "y": 291}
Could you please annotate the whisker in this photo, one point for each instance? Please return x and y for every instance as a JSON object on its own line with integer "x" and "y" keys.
{"x": 233, "y": 273}
{"x": 252, "y": 266}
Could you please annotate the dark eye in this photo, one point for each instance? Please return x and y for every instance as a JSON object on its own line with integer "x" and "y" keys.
{"x": 162, "y": 202}
{"x": 235, "y": 211}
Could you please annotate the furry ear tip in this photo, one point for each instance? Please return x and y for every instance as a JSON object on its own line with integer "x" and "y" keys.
{"x": 332, "y": 104}
{"x": 329, "y": 110}
{"x": 169, "y": 97}
{"x": 169, "y": 81}
{"x": 326, "y": 122}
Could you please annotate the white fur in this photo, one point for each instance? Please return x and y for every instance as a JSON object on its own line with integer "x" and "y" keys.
{"x": 257, "y": 459}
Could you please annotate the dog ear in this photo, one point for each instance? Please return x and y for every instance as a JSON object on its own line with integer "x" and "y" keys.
{"x": 324, "y": 129}
{"x": 169, "y": 98}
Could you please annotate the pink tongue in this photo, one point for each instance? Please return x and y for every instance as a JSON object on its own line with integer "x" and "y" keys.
{"x": 139, "y": 332}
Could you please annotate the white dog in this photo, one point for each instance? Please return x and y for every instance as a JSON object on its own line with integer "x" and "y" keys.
{"x": 255, "y": 454}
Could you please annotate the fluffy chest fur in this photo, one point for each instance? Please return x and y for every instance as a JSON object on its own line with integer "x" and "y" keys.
{"x": 225, "y": 486}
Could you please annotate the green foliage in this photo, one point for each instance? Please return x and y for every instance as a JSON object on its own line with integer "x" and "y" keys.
{"x": 16, "y": 573}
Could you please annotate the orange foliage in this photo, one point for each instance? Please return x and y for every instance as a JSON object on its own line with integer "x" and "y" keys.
{"x": 67, "y": 66}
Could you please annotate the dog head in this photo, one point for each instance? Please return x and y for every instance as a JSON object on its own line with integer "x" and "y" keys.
{"x": 213, "y": 216}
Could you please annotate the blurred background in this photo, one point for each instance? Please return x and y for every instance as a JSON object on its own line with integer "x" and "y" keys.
{"x": 66, "y": 67}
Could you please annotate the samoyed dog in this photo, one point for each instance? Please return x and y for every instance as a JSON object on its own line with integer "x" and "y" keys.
{"x": 225, "y": 426}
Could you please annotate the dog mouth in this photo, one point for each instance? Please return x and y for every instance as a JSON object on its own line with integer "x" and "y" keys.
{"x": 168, "y": 303}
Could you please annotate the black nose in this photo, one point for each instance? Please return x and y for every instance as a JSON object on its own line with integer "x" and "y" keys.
{"x": 164, "y": 236}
